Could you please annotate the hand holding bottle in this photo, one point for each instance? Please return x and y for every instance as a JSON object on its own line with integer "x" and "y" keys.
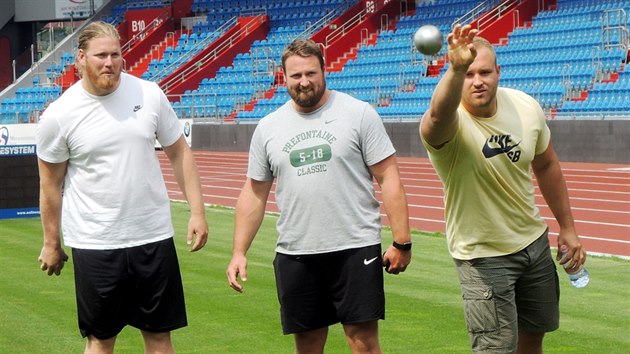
{"x": 579, "y": 278}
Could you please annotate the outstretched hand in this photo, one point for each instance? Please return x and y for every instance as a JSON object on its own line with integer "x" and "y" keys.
{"x": 461, "y": 52}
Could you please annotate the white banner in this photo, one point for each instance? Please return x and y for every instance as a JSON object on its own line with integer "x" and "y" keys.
{"x": 75, "y": 8}
{"x": 18, "y": 139}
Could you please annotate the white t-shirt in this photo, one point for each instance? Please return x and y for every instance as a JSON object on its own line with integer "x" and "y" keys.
{"x": 114, "y": 194}
{"x": 324, "y": 189}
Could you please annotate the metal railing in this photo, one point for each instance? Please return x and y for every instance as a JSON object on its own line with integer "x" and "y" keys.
{"x": 193, "y": 50}
{"x": 326, "y": 19}
{"x": 614, "y": 29}
{"x": 152, "y": 26}
{"x": 212, "y": 55}
{"x": 498, "y": 11}
{"x": 477, "y": 11}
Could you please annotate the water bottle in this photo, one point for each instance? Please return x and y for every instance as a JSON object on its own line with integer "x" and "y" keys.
{"x": 579, "y": 278}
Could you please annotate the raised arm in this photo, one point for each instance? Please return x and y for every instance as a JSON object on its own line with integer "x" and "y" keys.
{"x": 439, "y": 123}
{"x": 250, "y": 211}
{"x": 185, "y": 169}
{"x": 51, "y": 176}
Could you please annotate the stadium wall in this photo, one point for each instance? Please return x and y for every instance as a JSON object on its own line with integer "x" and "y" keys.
{"x": 602, "y": 141}
{"x": 19, "y": 177}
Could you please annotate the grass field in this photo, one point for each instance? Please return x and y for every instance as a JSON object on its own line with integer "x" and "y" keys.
{"x": 424, "y": 307}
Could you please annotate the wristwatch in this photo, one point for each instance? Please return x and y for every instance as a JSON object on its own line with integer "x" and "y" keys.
{"x": 402, "y": 246}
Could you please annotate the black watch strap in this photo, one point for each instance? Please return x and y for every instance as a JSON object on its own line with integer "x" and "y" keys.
{"x": 402, "y": 246}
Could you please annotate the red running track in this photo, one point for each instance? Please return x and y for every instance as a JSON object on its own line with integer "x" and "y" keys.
{"x": 599, "y": 193}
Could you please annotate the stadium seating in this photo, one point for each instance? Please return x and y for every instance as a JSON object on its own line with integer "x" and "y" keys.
{"x": 564, "y": 54}
{"x": 572, "y": 58}
{"x": 559, "y": 59}
{"x": 252, "y": 74}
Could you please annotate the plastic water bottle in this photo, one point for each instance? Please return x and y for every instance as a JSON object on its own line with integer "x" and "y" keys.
{"x": 579, "y": 278}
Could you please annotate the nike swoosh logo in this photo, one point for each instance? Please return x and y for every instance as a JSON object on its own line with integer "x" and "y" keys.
{"x": 329, "y": 121}
{"x": 137, "y": 108}
{"x": 368, "y": 261}
{"x": 489, "y": 152}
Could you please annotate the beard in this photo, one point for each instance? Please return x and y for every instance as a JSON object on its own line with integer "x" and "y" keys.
{"x": 102, "y": 82}
{"x": 306, "y": 97}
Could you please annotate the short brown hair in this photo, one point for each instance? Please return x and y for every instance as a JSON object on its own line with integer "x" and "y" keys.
{"x": 480, "y": 42}
{"x": 304, "y": 48}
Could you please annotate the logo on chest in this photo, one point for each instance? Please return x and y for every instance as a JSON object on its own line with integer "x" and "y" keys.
{"x": 501, "y": 144}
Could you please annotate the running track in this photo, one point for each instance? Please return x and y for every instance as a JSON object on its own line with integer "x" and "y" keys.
{"x": 600, "y": 196}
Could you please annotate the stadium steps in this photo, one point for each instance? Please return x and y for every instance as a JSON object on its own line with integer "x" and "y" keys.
{"x": 351, "y": 54}
{"x": 157, "y": 52}
{"x": 139, "y": 45}
{"x": 347, "y": 31}
{"x": 218, "y": 54}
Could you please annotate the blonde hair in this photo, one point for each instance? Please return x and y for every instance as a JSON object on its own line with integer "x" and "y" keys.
{"x": 94, "y": 30}
{"x": 97, "y": 29}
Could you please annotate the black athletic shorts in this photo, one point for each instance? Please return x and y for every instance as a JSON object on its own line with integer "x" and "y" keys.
{"x": 319, "y": 290}
{"x": 138, "y": 286}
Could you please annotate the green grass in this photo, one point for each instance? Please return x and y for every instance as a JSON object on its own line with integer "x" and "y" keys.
{"x": 424, "y": 308}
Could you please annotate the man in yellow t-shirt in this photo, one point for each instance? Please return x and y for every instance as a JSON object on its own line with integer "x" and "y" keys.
{"x": 484, "y": 142}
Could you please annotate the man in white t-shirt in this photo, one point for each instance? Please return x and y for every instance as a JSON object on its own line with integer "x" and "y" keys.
{"x": 102, "y": 188}
{"x": 324, "y": 148}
